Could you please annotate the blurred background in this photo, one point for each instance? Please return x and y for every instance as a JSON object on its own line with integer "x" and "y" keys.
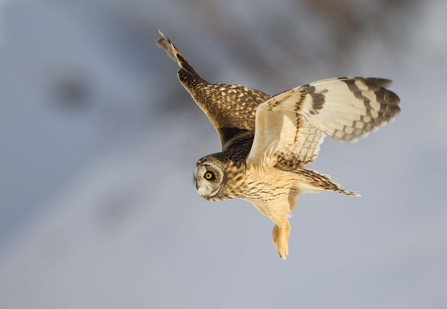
{"x": 98, "y": 142}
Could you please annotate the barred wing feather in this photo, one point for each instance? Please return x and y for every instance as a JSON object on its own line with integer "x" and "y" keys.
{"x": 291, "y": 125}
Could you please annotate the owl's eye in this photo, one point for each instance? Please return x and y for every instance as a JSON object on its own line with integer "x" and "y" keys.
{"x": 209, "y": 175}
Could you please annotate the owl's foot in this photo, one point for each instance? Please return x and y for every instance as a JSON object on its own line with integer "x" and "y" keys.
{"x": 280, "y": 238}
{"x": 283, "y": 252}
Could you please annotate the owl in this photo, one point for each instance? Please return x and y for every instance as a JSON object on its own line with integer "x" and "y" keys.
{"x": 267, "y": 141}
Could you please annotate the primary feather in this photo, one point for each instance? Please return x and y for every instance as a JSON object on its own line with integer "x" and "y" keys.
{"x": 295, "y": 122}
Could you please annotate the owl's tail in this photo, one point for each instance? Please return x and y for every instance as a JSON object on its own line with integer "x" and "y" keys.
{"x": 173, "y": 53}
{"x": 314, "y": 182}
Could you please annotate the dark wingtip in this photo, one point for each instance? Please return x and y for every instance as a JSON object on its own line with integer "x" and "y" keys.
{"x": 173, "y": 53}
{"x": 165, "y": 44}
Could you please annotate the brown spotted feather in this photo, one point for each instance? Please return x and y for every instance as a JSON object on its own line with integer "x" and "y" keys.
{"x": 230, "y": 108}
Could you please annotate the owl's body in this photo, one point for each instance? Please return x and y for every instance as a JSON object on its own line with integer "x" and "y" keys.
{"x": 267, "y": 141}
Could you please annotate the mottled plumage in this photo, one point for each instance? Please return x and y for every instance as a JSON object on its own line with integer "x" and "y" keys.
{"x": 267, "y": 141}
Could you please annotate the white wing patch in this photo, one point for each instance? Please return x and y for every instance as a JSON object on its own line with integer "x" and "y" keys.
{"x": 352, "y": 107}
{"x": 294, "y": 123}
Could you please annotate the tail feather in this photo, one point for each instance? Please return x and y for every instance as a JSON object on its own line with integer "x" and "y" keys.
{"x": 173, "y": 53}
{"x": 322, "y": 181}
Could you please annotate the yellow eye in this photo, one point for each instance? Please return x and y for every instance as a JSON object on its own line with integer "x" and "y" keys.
{"x": 209, "y": 175}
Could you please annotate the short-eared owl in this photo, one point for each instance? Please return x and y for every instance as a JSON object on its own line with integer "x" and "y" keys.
{"x": 267, "y": 141}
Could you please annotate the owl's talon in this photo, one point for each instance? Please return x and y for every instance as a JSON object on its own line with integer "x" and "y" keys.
{"x": 282, "y": 253}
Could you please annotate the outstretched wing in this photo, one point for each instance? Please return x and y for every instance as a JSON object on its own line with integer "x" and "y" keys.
{"x": 230, "y": 108}
{"x": 291, "y": 125}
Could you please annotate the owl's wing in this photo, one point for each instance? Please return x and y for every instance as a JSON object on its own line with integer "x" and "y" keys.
{"x": 291, "y": 125}
{"x": 230, "y": 108}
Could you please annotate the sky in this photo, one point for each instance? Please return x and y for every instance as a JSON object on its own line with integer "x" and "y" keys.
{"x": 98, "y": 143}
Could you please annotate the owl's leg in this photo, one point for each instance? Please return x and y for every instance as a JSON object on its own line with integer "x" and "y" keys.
{"x": 275, "y": 238}
{"x": 278, "y": 211}
{"x": 275, "y": 234}
{"x": 280, "y": 238}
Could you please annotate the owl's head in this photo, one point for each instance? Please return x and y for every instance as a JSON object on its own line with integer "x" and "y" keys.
{"x": 221, "y": 176}
{"x": 209, "y": 177}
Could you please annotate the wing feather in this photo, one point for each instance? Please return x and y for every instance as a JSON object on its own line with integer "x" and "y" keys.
{"x": 291, "y": 125}
{"x": 230, "y": 108}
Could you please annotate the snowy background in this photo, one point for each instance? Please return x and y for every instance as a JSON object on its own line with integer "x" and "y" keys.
{"x": 98, "y": 142}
